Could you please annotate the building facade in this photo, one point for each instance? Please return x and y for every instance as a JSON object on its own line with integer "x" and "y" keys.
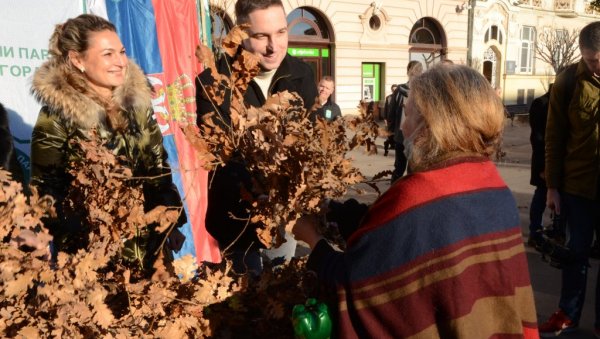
{"x": 365, "y": 45}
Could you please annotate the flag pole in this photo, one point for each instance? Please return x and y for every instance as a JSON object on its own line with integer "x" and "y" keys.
{"x": 204, "y": 22}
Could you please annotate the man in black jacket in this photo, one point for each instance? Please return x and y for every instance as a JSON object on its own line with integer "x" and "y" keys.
{"x": 538, "y": 113}
{"x": 268, "y": 38}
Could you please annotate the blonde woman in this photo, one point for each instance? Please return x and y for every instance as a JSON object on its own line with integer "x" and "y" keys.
{"x": 440, "y": 254}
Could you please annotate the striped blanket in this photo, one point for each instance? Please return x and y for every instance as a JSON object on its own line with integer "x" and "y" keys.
{"x": 440, "y": 254}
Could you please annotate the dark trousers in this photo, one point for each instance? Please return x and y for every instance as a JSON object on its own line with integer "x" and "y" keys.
{"x": 536, "y": 210}
{"x": 399, "y": 162}
{"x": 582, "y": 215}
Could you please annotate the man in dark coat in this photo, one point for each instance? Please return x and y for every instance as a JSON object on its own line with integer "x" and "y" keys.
{"x": 387, "y": 112}
{"x": 329, "y": 110}
{"x": 268, "y": 38}
{"x": 538, "y": 113}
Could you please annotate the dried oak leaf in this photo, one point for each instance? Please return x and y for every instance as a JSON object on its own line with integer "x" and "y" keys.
{"x": 172, "y": 329}
{"x": 245, "y": 68}
{"x": 164, "y": 215}
{"x": 234, "y": 39}
{"x": 18, "y": 286}
{"x": 29, "y": 332}
{"x": 205, "y": 56}
{"x": 103, "y": 316}
{"x": 185, "y": 268}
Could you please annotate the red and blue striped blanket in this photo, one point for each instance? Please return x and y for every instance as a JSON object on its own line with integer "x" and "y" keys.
{"x": 440, "y": 254}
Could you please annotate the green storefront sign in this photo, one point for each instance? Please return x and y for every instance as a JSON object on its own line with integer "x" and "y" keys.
{"x": 301, "y": 52}
{"x": 371, "y": 81}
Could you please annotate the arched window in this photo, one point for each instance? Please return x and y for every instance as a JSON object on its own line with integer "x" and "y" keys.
{"x": 427, "y": 41}
{"x": 310, "y": 39}
{"x": 493, "y": 33}
{"x": 425, "y": 31}
{"x": 304, "y": 25}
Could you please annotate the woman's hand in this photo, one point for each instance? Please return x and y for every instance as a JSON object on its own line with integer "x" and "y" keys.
{"x": 305, "y": 230}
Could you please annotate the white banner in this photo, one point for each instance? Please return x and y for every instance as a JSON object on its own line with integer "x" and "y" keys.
{"x": 25, "y": 28}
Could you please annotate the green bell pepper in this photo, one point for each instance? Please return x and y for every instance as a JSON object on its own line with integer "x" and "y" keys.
{"x": 311, "y": 321}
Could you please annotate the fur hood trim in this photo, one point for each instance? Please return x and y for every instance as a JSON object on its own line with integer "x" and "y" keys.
{"x": 54, "y": 86}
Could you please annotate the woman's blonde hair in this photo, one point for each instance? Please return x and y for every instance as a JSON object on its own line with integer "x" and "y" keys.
{"x": 460, "y": 115}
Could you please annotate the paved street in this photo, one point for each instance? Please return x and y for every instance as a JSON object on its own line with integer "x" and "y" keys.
{"x": 515, "y": 170}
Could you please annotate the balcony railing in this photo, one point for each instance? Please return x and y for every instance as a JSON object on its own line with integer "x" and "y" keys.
{"x": 532, "y": 3}
{"x": 590, "y": 10}
{"x": 565, "y": 8}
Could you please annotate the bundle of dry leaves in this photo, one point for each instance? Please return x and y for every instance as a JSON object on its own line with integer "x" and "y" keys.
{"x": 97, "y": 293}
{"x": 297, "y": 162}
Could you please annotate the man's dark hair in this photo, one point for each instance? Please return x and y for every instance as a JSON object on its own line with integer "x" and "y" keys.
{"x": 412, "y": 64}
{"x": 243, "y": 8}
{"x": 589, "y": 37}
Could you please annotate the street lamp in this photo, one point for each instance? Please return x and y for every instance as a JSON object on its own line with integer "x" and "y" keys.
{"x": 471, "y": 17}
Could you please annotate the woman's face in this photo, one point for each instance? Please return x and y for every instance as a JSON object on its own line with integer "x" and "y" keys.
{"x": 104, "y": 63}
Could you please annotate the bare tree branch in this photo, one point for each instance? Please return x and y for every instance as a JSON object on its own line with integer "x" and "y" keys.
{"x": 557, "y": 47}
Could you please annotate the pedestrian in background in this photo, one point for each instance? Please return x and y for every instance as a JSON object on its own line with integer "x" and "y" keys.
{"x": 573, "y": 174}
{"x": 538, "y": 113}
{"x": 387, "y": 113}
{"x": 329, "y": 110}
{"x": 440, "y": 253}
{"x": 413, "y": 69}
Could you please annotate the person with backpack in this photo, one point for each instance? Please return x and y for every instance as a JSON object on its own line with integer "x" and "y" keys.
{"x": 573, "y": 174}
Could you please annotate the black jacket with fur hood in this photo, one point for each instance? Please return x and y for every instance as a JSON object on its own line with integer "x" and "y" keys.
{"x": 68, "y": 114}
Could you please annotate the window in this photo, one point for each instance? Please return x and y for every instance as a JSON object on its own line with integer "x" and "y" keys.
{"x": 427, "y": 41}
{"x": 493, "y": 33}
{"x": 527, "y": 49}
{"x": 303, "y": 25}
{"x": 425, "y": 31}
{"x": 375, "y": 23}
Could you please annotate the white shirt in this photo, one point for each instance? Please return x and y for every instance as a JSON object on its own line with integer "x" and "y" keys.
{"x": 263, "y": 80}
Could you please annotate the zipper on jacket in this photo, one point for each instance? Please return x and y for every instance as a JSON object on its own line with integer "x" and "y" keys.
{"x": 270, "y": 90}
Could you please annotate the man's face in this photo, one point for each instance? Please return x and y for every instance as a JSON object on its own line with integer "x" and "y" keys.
{"x": 325, "y": 89}
{"x": 592, "y": 60}
{"x": 268, "y": 36}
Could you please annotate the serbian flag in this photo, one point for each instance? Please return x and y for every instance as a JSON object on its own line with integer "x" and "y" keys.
{"x": 161, "y": 36}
